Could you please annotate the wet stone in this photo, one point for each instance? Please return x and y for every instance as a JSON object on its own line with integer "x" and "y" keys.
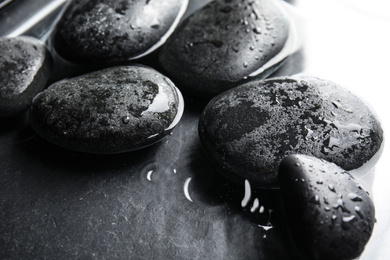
{"x": 109, "y": 111}
{"x": 109, "y": 31}
{"x": 25, "y": 66}
{"x": 248, "y": 130}
{"x": 222, "y": 43}
{"x": 339, "y": 230}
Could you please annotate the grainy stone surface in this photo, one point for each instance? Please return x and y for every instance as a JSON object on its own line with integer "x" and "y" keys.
{"x": 222, "y": 43}
{"x": 104, "y": 30}
{"x": 25, "y": 66}
{"x": 330, "y": 214}
{"x": 109, "y": 111}
{"x": 248, "y": 130}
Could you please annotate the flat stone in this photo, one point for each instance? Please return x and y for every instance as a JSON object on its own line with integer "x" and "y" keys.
{"x": 222, "y": 43}
{"x": 248, "y": 130}
{"x": 109, "y": 111}
{"x": 25, "y": 66}
{"x": 108, "y": 31}
{"x": 330, "y": 214}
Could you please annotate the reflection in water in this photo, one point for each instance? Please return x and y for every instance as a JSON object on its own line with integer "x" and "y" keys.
{"x": 185, "y": 187}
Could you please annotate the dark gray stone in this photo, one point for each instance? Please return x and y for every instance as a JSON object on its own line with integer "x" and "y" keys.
{"x": 109, "y": 111}
{"x": 330, "y": 215}
{"x": 248, "y": 130}
{"x": 25, "y": 66}
{"x": 223, "y": 43}
{"x": 107, "y": 31}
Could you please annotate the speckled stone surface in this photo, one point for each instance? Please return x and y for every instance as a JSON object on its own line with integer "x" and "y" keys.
{"x": 222, "y": 43}
{"x": 248, "y": 130}
{"x": 25, "y": 66}
{"x": 109, "y": 111}
{"x": 104, "y": 30}
{"x": 330, "y": 214}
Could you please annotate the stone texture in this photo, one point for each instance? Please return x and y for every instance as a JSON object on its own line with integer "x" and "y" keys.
{"x": 25, "y": 66}
{"x": 331, "y": 216}
{"x": 107, "y": 31}
{"x": 248, "y": 130}
{"x": 109, "y": 111}
{"x": 222, "y": 43}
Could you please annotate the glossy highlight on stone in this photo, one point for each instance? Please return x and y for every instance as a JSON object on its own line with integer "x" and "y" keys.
{"x": 223, "y": 43}
{"x": 25, "y": 66}
{"x": 114, "y": 110}
{"x": 111, "y": 31}
{"x": 248, "y": 130}
{"x": 325, "y": 223}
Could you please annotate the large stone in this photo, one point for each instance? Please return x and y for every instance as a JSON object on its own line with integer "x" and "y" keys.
{"x": 223, "y": 43}
{"x": 109, "y": 111}
{"x": 330, "y": 214}
{"x": 25, "y": 66}
{"x": 248, "y": 130}
{"x": 108, "y": 31}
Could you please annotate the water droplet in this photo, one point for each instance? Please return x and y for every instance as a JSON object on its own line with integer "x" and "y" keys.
{"x": 358, "y": 210}
{"x": 245, "y": 64}
{"x": 327, "y": 208}
{"x": 354, "y": 197}
{"x": 155, "y": 26}
{"x": 247, "y": 194}
{"x": 326, "y": 200}
{"x": 257, "y": 30}
{"x": 336, "y": 104}
{"x": 297, "y": 165}
{"x": 125, "y": 119}
{"x": 251, "y": 47}
{"x": 149, "y": 175}
{"x": 334, "y": 217}
{"x": 316, "y": 199}
{"x": 348, "y": 218}
{"x": 266, "y": 228}
{"x": 186, "y": 190}
{"x": 302, "y": 180}
{"x": 320, "y": 182}
{"x": 255, "y": 205}
{"x": 261, "y": 210}
{"x": 132, "y": 26}
{"x": 331, "y": 187}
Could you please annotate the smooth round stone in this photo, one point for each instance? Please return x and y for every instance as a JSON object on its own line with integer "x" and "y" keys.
{"x": 330, "y": 214}
{"x": 109, "y": 111}
{"x": 25, "y": 66}
{"x": 248, "y": 130}
{"x": 222, "y": 43}
{"x": 109, "y": 31}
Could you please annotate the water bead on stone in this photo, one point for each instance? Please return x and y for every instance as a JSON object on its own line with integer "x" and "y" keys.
{"x": 114, "y": 110}
{"x": 321, "y": 231}
{"x": 248, "y": 130}
{"x": 109, "y": 31}
{"x": 25, "y": 66}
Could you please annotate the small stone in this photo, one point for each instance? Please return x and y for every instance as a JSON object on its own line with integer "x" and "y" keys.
{"x": 114, "y": 110}
{"x": 219, "y": 45}
{"x": 25, "y": 66}
{"x": 110, "y": 31}
{"x": 248, "y": 130}
{"x": 320, "y": 231}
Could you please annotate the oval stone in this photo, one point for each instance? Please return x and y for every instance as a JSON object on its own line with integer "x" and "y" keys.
{"x": 109, "y": 111}
{"x": 223, "y": 43}
{"x": 331, "y": 216}
{"x": 107, "y": 31}
{"x": 248, "y": 130}
{"x": 25, "y": 66}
